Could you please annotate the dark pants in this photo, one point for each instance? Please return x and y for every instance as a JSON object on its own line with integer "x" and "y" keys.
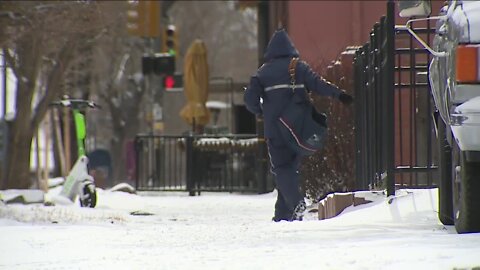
{"x": 285, "y": 164}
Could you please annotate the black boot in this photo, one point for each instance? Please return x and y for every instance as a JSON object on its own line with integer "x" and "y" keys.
{"x": 278, "y": 219}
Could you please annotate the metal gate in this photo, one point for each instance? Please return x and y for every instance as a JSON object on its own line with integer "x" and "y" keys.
{"x": 395, "y": 139}
{"x": 196, "y": 163}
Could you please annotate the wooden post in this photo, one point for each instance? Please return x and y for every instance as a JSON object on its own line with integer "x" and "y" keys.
{"x": 37, "y": 158}
{"x": 58, "y": 135}
{"x": 46, "y": 152}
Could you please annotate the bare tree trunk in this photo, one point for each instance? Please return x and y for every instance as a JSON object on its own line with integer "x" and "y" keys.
{"x": 21, "y": 132}
{"x": 123, "y": 132}
{"x": 58, "y": 152}
{"x": 119, "y": 159}
{"x": 18, "y": 161}
{"x": 27, "y": 119}
{"x": 39, "y": 46}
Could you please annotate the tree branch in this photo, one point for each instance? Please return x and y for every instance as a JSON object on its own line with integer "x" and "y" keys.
{"x": 53, "y": 83}
{"x": 10, "y": 59}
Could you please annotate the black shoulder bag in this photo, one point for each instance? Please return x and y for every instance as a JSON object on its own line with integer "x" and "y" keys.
{"x": 301, "y": 126}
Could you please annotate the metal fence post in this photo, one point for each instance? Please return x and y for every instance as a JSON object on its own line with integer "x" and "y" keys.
{"x": 389, "y": 87}
{"x": 375, "y": 87}
{"x": 381, "y": 126}
{"x": 137, "y": 146}
{"x": 359, "y": 164}
{"x": 189, "y": 167}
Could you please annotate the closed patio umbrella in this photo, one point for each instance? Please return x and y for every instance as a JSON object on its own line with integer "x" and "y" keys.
{"x": 196, "y": 79}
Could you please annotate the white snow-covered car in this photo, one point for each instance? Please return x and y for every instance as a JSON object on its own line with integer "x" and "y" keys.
{"x": 454, "y": 75}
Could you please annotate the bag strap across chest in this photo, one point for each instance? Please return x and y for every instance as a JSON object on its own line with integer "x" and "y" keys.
{"x": 291, "y": 70}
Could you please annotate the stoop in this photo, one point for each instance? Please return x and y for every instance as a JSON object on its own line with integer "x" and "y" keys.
{"x": 335, "y": 203}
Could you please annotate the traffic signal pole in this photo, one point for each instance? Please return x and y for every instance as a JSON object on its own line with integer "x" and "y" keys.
{"x": 148, "y": 84}
{"x": 147, "y": 20}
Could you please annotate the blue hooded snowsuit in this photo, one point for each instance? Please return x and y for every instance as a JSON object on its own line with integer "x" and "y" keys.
{"x": 267, "y": 94}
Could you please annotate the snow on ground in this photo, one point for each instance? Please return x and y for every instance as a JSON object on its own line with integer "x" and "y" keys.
{"x": 230, "y": 231}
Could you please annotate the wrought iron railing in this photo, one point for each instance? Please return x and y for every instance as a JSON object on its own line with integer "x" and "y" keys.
{"x": 196, "y": 163}
{"x": 394, "y": 128}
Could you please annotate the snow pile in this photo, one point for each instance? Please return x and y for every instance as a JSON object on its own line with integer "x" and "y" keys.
{"x": 59, "y": 214}
{"x": 224, "y": 143}
{"x": 203, "y": 142}
{"x": 231, "y": 231}
{"x": 66, "y": 212}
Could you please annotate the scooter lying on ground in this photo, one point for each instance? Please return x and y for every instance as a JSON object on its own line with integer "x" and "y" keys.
{"x": 79, "y": 182}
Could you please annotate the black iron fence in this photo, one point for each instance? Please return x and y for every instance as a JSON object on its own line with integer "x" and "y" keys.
{"x": 395, "y": 137}
{"x": 196, "y": 163}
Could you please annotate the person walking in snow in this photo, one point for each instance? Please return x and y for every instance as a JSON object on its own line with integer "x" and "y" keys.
{"x": 266, "y": 96}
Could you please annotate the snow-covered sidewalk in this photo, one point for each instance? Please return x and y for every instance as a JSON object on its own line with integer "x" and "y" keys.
{"x": 230, "y": 231}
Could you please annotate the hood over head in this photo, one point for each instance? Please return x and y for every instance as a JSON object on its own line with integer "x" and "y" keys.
{"x": 280, "y": 45}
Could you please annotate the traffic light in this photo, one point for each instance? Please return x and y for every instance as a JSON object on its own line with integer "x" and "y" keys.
{"x": 169, "y": 82}
{"x": 173, "y": 82}
{"x": 143, "y": 18}
{"x": 170, "y": 40}
{"x": 159, "y": 64}
{"x": 243, "y": 4}
{"x": 148, "y": 62}
{"x": 164, "y": 64}
{"x": 132, "y": 18}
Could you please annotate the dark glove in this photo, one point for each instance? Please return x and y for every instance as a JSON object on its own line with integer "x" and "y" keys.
{"x": 345, "y": 98}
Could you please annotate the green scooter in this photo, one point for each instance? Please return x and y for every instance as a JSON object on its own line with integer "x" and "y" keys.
{"x": 79, "y": 182}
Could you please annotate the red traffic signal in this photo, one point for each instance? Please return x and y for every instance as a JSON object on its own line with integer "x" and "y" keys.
{"x": 173, "y": 82}
{"x": 169, "y": 82}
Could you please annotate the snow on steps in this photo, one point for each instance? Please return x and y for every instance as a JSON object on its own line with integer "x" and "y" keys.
{"x": 335, "y": 203}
